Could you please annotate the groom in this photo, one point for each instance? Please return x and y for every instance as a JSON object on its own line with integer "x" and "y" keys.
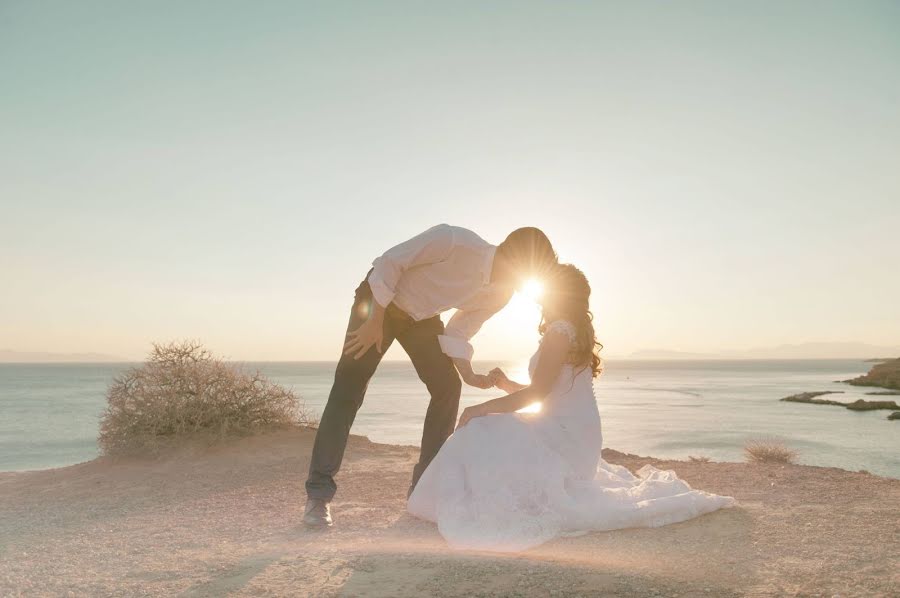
{"x": 402, "y": 298}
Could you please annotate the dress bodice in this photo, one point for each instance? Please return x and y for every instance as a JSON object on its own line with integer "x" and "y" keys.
{"x": 573, "y": 392}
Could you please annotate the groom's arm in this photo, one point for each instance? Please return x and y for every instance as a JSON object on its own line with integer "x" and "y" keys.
{"x": 464, "y": 367}
{"x": 427, "y": 248}
{"x": 455, "y": 343}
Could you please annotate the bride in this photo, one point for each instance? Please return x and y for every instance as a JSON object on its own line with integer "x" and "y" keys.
{"x": 507, "y": 481}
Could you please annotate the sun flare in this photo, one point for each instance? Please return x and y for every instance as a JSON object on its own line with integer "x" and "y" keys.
{"x": 523, "y": 311}
{"x": 532, "y": 289}
{"x": 533, "y": 408}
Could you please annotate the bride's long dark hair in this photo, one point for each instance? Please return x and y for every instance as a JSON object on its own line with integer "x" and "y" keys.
{"x": 566, "y": 297}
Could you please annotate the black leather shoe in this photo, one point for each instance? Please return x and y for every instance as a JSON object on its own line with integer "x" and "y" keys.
{"x": 318, "y": 513}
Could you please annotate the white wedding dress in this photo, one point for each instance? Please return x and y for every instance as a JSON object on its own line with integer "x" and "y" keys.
{"x": 508, "y": 482}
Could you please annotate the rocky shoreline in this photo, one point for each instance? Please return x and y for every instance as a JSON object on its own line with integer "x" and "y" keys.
{"x": 858, "y": 405}
{"x": 885, "y": 374}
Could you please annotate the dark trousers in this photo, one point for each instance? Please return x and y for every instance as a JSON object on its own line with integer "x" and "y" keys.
{"x": 435, "y": 369}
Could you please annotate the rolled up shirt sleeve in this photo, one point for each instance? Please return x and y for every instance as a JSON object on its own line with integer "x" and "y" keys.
{"x": 460, "y": 329}
{"x": 456, "y": 348}
{"x": 429, "y": 247}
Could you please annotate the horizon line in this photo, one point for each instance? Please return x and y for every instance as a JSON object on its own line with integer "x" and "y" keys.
{"x": 487, "y": 359}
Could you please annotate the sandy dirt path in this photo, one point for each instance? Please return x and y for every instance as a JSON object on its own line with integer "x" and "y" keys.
{"x": 225, "y": 521}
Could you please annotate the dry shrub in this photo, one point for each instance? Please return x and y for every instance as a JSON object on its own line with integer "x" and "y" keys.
{"x": 182, "y": 392}
{"x": 700, "y": 459}
{"x": 765, "y": 450}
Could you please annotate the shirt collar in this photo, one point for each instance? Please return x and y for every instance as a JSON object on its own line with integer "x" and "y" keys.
{"x": 488, "y": 264}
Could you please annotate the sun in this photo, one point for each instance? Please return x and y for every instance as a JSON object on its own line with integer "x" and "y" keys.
{"x": 524, "y": 303}
{"x": 532, "y": 288}
{"x": 517, "y": 323}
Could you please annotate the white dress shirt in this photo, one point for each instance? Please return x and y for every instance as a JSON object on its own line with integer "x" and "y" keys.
{"x": 443, "y": 268}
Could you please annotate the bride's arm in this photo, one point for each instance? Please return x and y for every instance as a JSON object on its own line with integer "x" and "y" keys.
{"x": 554, "y": 350}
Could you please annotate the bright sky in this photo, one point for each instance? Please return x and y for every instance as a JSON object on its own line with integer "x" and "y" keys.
{"x": 727, "y": 174}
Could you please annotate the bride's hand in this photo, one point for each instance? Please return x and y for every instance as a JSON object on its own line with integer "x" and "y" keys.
{"x": 498, "y": 377}
{"x": 468, "y": 414}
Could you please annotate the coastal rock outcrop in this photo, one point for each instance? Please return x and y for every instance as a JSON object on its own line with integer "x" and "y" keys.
{"x": 810, "y": 397}
{"x": 885, "y": 374}
{"x": 863, "y": 405}
{"x": 857, "y": 405}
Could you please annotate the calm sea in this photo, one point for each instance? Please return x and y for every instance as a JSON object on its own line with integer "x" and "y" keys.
{"x": 49, "y": 412}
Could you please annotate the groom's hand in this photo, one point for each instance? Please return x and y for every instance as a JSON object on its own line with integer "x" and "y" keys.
{"x": 361, "y": 340}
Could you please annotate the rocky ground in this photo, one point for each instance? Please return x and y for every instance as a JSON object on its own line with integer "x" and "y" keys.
{"x": 226, "y": 522}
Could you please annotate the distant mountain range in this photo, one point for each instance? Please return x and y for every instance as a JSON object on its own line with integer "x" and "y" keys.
{"x": 799, "y": 351}
{"x": 7, "y": 356}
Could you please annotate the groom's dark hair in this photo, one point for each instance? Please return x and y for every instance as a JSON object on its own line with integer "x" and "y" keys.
{"x": 529, "y": 249}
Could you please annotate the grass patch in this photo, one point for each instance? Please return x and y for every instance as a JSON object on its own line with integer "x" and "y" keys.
{"x": 764, "y": 450}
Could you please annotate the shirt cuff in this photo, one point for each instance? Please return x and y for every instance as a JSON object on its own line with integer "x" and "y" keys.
{"x": 382, "y": 294}
{"x": 455, "y": 347}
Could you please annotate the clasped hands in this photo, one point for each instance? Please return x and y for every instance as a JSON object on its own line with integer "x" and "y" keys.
{"x": 496, "y": 377}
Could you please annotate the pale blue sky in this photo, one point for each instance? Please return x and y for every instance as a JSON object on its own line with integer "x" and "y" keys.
{"x": 726, "y": 173}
